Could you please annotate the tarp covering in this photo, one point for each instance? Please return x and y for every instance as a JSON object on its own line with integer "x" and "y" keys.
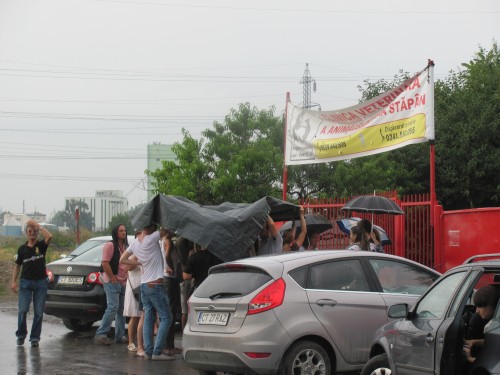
{"x": 228, "y": 230}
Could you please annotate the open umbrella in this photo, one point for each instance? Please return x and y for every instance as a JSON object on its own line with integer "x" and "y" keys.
{"x": 345, "y": 226}
{"x": 314, "y": 223}
{"x": 374, "y": 204}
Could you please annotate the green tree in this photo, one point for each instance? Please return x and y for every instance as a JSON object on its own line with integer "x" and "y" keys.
{"x": 239, "y": 160}
{"x": 121, "y": 219}
{"x": 189, "y": 176}
{"x": 468, "y": 133}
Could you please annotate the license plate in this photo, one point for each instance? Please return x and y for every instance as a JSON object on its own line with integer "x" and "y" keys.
{"x": 70, "y": 280}
{"x": 213, "y": 318}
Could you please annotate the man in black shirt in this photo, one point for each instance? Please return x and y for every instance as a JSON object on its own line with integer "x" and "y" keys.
{"x": 197, "y": 266}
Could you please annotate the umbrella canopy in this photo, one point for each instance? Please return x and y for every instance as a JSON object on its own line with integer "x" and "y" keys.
{"x": 314, "y": 223}
{"x": 227, "y": 231}
{"x": 345, "y": 226}
{"x": 374, "y": 204}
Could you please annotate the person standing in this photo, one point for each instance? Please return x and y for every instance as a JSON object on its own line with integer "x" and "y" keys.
{"x": 114, "y": 276}
{"x": 132, "y": 308}
{"x": 357, "y": 240}
{"x": 33, "y": 284}
{"x": 146, "y": 247}
{"x": 171, "y": 280}
{"x": 270, "y": 239}
{"x": 198, "y": 265}
{"x": 372, "y": 235}
{"x": 292, "y": 242}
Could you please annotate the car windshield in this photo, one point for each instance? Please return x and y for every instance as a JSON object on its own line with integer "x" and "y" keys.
{"x": 87, "y": 245}
{"x": 91, "y": 255}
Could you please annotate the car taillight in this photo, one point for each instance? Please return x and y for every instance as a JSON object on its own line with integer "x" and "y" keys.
{"x": 94, "y": 278}
{"x": 50, "y": 276}
{"x": 269, "y": 298}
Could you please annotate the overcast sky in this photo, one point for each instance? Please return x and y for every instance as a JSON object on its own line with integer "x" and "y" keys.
{"x": 86, "y": 85}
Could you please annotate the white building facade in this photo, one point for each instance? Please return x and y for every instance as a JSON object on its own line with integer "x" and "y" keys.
{"x": 103, "y": 207}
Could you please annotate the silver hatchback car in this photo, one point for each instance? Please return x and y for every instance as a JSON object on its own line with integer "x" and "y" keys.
{"x": 309, "y": 312}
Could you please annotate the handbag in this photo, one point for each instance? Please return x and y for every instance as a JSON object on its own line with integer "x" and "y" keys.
{"x": 135, "y": 291}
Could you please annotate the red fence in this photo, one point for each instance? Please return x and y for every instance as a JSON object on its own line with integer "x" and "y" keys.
{"x": 411, "y": 234}
{"x": 454, "y": 237}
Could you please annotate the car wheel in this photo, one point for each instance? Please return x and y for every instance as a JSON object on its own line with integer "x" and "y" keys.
{"x": 306, "y": 357}
{"x": 378, "y": 365}
{"x": 77, "y": 325}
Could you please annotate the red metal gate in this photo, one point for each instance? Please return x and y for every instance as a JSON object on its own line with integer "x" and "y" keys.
{"x": 411, "y": 234}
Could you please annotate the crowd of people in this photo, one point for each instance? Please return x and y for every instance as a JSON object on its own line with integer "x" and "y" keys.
{"x": 166, "y": 272}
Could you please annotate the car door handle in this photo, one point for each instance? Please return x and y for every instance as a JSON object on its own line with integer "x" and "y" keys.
{"x": 429, "y": 339}
{"x": 326, "y": 302}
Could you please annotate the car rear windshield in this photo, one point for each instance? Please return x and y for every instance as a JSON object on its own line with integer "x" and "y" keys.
{"x": 92, "y": 255}
{"x": 87, "y": 245}
{"x": 232, "y": 282}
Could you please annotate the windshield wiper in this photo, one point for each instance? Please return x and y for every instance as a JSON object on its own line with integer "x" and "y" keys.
{"x": 224, "y": 295}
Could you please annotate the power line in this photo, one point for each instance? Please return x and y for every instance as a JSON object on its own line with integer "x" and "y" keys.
{"x": 288, "y": 10}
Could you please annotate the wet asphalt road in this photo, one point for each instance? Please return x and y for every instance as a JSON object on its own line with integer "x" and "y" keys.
{"x": 65, "y": 352}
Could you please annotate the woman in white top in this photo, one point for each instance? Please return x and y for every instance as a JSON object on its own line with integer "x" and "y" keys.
{"x": 133, "y": 309}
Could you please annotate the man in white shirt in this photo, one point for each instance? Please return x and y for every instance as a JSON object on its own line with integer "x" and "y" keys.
{"x": 146, "y": 247}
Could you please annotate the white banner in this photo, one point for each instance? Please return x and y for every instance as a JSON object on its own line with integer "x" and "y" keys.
{"x": 397, "y": 118}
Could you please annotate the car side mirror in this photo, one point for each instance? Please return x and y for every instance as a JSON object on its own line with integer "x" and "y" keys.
{"x": 398, "y": 311}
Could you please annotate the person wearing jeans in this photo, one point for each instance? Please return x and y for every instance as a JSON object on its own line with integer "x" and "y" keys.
{"x": 115, "y": 297}
{"x": 114, "y": 277}
{"x": 30, "y": 262}
{"x": 146, "y": 247}
{"x": 155, "y": 300}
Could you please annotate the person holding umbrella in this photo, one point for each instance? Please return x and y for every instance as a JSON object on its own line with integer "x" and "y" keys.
{"x": 372, "y": 235}
{"x": 271, "y": 241}
{"x": 290, "y": 243}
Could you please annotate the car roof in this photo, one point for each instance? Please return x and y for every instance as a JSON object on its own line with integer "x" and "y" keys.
{"x": 279, "y": 260}
{"x": 487, "y": 264}
{"x": 483, "y": 258}
{"x": 107, "y": 238}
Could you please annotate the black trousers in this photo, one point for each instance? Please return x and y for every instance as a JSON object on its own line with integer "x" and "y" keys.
{"x": 174, "y": 295}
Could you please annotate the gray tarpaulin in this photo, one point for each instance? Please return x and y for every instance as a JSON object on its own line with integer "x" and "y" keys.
{"x": 228, "y": 230}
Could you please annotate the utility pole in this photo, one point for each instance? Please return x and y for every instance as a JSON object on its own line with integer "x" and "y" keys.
{"x": 307, "y": 80}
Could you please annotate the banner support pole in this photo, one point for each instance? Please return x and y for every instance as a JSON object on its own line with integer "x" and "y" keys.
{"x": 432, "y": 156}
{"x": 285, "y": 170}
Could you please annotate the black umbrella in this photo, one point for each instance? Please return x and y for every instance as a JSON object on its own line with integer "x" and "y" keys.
{"x": 314, "y": 223}
{"x": 374, "y": 204}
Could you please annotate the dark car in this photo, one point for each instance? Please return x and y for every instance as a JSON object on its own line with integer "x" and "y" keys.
{"x": 305, "y": 312}
{"x": 75, "y": 291}
{"x": 428, "y": 338}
